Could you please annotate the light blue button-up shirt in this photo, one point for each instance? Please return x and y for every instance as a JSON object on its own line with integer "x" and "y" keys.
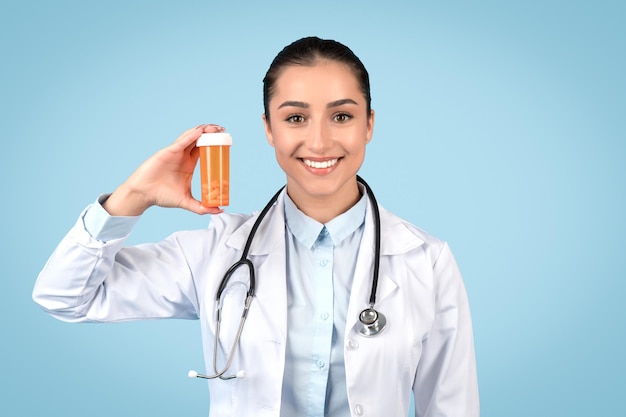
{"x": 321, "y": 260}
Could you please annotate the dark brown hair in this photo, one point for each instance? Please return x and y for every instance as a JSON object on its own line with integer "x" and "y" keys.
{"x": 308, "y": 51}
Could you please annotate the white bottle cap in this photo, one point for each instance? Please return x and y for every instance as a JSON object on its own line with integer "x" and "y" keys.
{"x": 214, "y": 139}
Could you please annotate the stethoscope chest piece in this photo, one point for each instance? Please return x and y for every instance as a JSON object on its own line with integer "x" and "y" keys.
{"x": 372, "y": 322}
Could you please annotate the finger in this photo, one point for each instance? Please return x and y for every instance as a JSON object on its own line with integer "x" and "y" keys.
{"x": 212, "y": 128}
{"x": 194, "y": 154}
{"x": 189, "y": 137}
{"x": 196, "y": 206}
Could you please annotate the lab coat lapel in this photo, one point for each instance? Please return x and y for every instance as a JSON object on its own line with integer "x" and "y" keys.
{"x": 268, "y": 254}
{"x": 396, "y": 239}
{"x": 269, "y": 235}
{"x": 264, "y": 339}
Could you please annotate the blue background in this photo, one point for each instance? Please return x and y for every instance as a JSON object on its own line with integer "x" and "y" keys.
{"x": 499, "y": 128}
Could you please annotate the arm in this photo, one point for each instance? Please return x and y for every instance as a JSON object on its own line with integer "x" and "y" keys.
{"x": 446, "y": 382}
{"x": 86, "y": 279}
{"x": 90, "y": 279}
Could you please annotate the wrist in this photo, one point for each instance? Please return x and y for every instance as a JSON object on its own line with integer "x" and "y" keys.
{"x": 125, "y": 202}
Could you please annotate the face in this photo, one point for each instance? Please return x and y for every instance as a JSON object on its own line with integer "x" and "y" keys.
{"x": 319, "y": 128}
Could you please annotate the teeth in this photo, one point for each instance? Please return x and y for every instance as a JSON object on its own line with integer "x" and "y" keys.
{"x": 322, "y": 164}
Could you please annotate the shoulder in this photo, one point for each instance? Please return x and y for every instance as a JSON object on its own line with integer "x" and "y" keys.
{"x": 429, "y": 258}
{"x": 228, "y": 222}
{"x": 397, "y": 228}
{"x": 220, "y": 228}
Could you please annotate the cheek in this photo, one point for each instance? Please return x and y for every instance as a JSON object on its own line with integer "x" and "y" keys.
{"x": 282, "y": 148}
{"x": 287, "y": 141}
{"x": 358, "y": 142}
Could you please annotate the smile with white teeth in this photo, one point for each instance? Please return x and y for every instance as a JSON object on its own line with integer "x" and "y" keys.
{"x": 320, "y": 164}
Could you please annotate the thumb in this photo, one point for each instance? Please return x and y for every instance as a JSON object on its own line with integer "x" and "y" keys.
{"x": 195, "y": 206}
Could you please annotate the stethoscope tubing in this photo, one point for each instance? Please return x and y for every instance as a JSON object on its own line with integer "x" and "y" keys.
{"x": 243, "y": 260}
{"x": 231, "y": 355}
{"x": 376, "y": 215}
{"x": 370, "y": 328}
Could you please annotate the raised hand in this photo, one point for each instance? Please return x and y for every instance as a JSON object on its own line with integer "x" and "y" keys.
{"x": 164, "y": 179}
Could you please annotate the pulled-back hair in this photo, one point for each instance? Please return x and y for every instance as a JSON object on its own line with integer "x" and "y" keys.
{"x": 308, "y": 52}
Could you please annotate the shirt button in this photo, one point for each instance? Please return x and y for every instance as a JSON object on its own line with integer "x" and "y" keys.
{"x": 320, "y": 364}
{"x": 353, "y": 344}
{"x": 324, "y": 316}
{"x": 358, "y": 410}
{"x": 324, "y": 262}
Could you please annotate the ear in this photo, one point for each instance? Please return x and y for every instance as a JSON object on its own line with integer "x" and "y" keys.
{"x": 268, "y": 131}
{"x": 370, "y": 127}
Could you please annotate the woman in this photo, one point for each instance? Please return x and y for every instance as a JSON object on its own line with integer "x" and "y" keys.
{"x": 301, "y": 348}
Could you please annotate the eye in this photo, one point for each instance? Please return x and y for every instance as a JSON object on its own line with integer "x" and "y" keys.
{"x": 342, "y": 117}
{"x": 295, "y": 118}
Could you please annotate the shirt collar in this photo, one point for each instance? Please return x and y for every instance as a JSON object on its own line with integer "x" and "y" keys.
{"x": 307, "y": 230}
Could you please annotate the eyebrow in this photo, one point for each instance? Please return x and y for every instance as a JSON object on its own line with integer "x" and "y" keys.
{"x": 304, "y": 105}
{"x": 340, "y": 103}
{"x": 294, "y": 104}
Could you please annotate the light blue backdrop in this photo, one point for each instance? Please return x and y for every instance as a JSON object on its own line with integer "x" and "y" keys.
{"x": 500, "y": 128}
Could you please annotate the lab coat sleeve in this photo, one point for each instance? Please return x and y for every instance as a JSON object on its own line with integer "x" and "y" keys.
{"x": 446, "y": 381}
{"x": 94, "y": 281}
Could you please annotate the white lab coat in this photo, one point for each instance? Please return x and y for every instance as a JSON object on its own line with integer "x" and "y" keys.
{"x": 427, "y": 346}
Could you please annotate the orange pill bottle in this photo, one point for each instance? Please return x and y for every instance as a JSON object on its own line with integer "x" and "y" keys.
{"x": 215, "y": 168}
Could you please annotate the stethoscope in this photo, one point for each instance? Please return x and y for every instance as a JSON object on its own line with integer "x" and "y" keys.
{"x": 371, "y": 322}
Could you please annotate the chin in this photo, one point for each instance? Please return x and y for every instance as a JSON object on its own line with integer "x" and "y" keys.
{"x": 322, "y": 187}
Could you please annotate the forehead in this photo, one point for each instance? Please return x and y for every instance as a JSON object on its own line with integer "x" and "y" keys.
{"x": 325, "y": 80}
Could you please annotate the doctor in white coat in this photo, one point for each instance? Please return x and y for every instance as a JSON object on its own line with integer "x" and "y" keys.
{"x": 300, "y": 350}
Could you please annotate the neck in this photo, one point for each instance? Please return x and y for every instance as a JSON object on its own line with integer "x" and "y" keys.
{"x": 326, "y": 207}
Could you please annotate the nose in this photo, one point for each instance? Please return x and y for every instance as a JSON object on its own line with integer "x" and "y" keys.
{"x": 319, "y": 138}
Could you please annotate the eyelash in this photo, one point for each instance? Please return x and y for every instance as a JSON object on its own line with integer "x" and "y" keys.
{"x": 345, "y": 116}
{"x": 298, "y": 118}
{"x": 291, "y": 118}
